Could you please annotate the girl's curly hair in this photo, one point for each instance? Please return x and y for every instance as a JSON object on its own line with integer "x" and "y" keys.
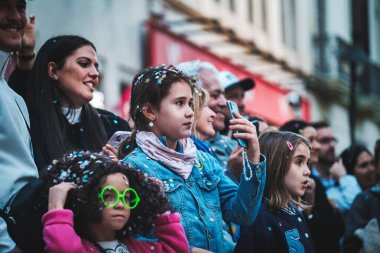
{"x": 86, "y": 170}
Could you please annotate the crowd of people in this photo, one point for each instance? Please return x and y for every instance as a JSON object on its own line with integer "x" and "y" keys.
{"x": 180, "y": 181}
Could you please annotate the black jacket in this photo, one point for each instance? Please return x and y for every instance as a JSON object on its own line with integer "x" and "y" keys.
{"x": 325, "y": 223}
{"x": 365, "y": 207}
{"x": 76, "y": 136}
{"x": 276, "y": 231}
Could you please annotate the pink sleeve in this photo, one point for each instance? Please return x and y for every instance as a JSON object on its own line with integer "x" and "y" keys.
{"x": 59, "y": 234}
{"x": 170, "y": 232}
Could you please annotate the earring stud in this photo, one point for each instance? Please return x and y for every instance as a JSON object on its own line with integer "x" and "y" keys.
{"x": 150, "y": 124}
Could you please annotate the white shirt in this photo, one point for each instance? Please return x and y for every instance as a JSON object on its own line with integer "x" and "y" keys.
{"x": 73, "y": 117}
{"x": 114, "y": 247}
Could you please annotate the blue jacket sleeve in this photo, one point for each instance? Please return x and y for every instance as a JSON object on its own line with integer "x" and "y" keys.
{"x": 240, "y": 204}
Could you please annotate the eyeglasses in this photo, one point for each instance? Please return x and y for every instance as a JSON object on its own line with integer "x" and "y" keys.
{"x": 327, "y": 140}
{"x": 110, "y": 197}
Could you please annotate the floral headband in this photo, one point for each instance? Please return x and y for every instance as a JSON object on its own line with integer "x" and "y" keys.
{"x": 158, "y": 74}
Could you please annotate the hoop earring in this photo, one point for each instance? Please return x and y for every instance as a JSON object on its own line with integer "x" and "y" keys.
{"x": 150, "y": 124}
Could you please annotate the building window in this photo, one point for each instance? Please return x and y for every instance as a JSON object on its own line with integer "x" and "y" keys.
{"x": 232, "y": 5}
{"x": 250, "y": 10}
{"x": 289, "y": 23}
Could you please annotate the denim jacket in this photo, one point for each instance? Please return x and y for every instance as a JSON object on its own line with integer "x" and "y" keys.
{"x": 207, "y": 196}
{"x": 222, "y": 146}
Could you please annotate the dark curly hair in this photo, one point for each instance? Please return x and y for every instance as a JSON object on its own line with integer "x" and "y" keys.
{"x": 150, "y": 86}
{"x": 86, "y": 169}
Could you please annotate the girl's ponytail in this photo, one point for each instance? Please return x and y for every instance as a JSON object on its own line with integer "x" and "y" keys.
{"x": 127, "y": 146}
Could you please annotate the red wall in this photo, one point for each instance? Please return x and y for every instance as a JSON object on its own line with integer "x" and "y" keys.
{"x": 266, "y": 100}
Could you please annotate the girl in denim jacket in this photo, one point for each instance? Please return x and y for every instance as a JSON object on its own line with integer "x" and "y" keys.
{"x": 99, "y": 205}
{"x": 194, "y": 181}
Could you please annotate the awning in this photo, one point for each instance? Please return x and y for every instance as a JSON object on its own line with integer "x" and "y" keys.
{"x": 177, "y": 40}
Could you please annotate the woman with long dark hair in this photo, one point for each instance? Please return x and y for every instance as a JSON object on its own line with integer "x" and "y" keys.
{"x": 359, "y": 161}
{"x": 62, "y": 82}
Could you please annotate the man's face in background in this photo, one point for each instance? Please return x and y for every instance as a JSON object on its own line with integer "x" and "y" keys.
{"x": 327, "y": 142}
{"x": 12, "y": 24}
{"x": 217, "y": 101}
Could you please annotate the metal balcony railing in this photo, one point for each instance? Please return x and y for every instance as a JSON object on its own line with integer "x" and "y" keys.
{"x": 333, "y": 58}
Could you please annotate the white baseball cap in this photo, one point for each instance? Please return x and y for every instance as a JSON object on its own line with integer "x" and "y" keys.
{"x": 229, "y": 80}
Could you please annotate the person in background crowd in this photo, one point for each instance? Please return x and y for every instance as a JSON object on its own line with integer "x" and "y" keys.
{"x": 263, "y": 125}
{"x": 358, "y": 161}
{"x": 280, "y": 227}
{"x": 194, "y": 181}
{"x": 202, "y": 128}
{"x": 24, "y": 59}
{"x": 208, "y": 77}
{"x": 234, "y": 89}
{"x": 17, "y": 167}
{"x": 62, "y": 82}
{"x": 325, "y": 222}
{"x": 363, "y": 219}
{"x": 341, "y": 188}
{"x": 109, "y": 208}
{"x": 224, "y": 148}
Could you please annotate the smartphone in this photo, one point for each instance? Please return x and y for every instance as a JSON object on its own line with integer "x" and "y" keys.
{"x": 117, "y": 138}
{"x": 232, "y": 107}
{"x": 256, "y": 123}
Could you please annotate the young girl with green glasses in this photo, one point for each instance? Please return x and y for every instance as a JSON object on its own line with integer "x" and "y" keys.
{"x": 99, "y": 205}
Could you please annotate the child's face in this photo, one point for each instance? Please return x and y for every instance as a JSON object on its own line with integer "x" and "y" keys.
{"x": 296, "y": 178}
{"x": 116, "y": 217}
{"x": 175, "y": 117}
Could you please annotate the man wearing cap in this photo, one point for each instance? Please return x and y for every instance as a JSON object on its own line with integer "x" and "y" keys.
{"x": 17, "y": 166}
{"x": 208, "y": 75}
{"x": 235, "y": 88}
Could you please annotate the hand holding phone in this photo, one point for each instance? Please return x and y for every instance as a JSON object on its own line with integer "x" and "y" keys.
{"x": 232, "y": 107}
{"x": 256, "y": 123}
{"x": 118, "y": 137}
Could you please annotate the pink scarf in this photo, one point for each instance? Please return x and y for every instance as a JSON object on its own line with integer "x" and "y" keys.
{"x": 181, "y": 163}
